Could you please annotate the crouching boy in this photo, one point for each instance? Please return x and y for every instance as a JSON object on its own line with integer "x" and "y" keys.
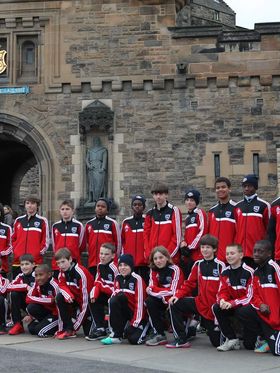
{"x": 126, "y": 306}
{"x": 41, "y": 308}
{"x": 75, "y": 283}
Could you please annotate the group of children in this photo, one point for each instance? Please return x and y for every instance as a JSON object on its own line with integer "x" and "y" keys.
{"x": 145, "y": 276}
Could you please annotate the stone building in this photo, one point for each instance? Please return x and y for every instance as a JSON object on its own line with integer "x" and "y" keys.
{"x": 178, "y": 102}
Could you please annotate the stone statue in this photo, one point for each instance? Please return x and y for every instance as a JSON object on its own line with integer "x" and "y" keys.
{"x": 96, "y": 162}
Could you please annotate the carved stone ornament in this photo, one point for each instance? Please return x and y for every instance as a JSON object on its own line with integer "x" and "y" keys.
{"x": 3, "y": 64}
{"x": 96, "y": 116}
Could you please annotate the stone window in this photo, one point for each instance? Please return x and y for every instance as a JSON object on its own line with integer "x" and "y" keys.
{"x": 216, "y": 15}
{"x": 27, "y": 58}
{"x": 217, "y": 166}
{"x": 3, "y": 58}
{"x": 256, "y": 162}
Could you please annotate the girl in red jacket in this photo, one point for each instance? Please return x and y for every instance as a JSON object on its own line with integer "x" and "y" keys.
{"x": 165, "y": 279}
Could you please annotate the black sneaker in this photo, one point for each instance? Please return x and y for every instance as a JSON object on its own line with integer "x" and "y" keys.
{"x": 178, "y": 343}
{"x": 3, "y": 330}
{"x": 96, "y": 334}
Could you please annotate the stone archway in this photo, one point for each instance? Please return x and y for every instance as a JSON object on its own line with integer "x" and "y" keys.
{"x": 24, "y": 147}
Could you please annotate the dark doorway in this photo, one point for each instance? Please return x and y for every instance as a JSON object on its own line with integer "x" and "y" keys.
{"x": 15, "y": 160}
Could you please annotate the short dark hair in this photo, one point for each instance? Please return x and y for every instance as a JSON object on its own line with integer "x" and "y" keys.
{"x": 210, "y": 240}
{"x": 222, "y": 179}
{"x": 266, "y": 245}
{"x": 43, "y": 267}
{"x": 109, "y": 246}
{"x": 67, "y": 202}
{"x": 159, "y": 188}
{"x": 32, "y": 199}
{"x": 62, "y": 253}
{"x": 27, "y": 258}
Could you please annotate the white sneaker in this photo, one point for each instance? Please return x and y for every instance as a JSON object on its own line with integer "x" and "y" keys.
{"x": 230, "y": 344}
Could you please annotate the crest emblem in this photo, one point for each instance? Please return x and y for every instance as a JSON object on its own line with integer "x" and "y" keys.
{"x": 256, "y": 208}
{"x": 228, "y": 214}
{"x": 110, "y": 277}
{"x": 269, "y": 277}
{"x": 106, "y": 227}
{"x": 131, "y": 286}
{"x": 216, "y": 272}
{"x": 168, "y": 279}
{"x": 243, "y": 281}
{"x": 167, "y": 216}
{"x": 193, "y": 219}
{"x": 3, "y": 64}
{"x": 36, "y": 224}
{"x": 74, "y": 229}
{"x": 2, "y": 232}
{"x": 126, "y": 228}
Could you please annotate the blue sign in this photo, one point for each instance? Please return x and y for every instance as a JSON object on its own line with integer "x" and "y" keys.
{"x": 15, "y": 90}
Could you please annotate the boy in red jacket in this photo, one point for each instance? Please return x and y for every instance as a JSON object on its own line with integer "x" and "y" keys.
{"x": 126, "y": 305}
{"x": 5, "y": 243}
{"x": 132, "y": 237}
{"x": 18, "y": 289}
{"x": 75, "y": 283}
{"x": 162, "y": 225}
{"x": 30, "y": 235}
{"x": 68, "y": 232}
{"x": 3, "y": 304}
{"x": 205, "y": 276}
{"x": 42, "y": 312}
{"x": 235, "y": 291}
{"x": 99, "y": 230}
{"x": 261, "y": 319}
{"x": 102, "y": 291}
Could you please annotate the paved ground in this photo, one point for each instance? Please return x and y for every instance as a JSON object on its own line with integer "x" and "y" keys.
{"x": 80, "y": 355}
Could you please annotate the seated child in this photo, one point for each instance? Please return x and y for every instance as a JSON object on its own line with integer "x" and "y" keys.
{"x": 205, "y": 275}
{"x": 102, "y": 291}
{"x": 262, "y": 317}
{"x": 18, "y": 289}
{"x": 126, "y": 305}
{"x": 235, "y": 291}
{"x": 75, "y": 283}
{"x": 3, "y": 304}
{"x": 165, "y": 279}
{"x": 41, "y": 308}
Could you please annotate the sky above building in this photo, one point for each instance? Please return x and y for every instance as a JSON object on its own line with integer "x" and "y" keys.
{"x": 249, "y": 12}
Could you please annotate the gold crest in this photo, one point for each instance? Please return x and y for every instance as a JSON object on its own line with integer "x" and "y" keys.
{"x": 3, "y": 64}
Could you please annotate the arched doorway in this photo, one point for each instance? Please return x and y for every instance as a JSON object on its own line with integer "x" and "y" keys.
{"x": 27, "y": 161}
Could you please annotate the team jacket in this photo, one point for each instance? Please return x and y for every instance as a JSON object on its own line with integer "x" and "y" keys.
{"x": 133, "y": 288}
{"x": 5, "y": 245}
{"x": 205, "y": 275}
{"x": 195, "y": 228}
{"x": 163, "y": 227}
{"x": 222, "y": 224}
{"x": 76, "y": 284}
{"x": 3, "y": 285}
{"x": 236, "y": 286}
{"x": 133, "y": 239}
{"x": 21, "y": 282}
{"x": 68, "y": 234}
{"x": 99, "y": 231}
{"x": 104, "y": 280}
{"x": 164, "y": 282}
{"x": 266, "y": 290}
{"x": 274, "y": 228}
{"x": 44, "y": 295}
{"x": 251, "y": 223}
{"x": 30, "y": 236}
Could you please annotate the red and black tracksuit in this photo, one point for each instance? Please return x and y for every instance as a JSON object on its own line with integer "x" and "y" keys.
{"x": 162, "y": 285}
{"x": 102, "y": 290}
{"x": 163, "y": 227}
{"x": 97, "y": 232}
{"x": 266, "y": 290}
{"x": 74, "y": 284}
{"x": 251, "y": 223}
{"x": 30, "y": 236}
{"x": 68, "y": 234}
{"x": 274, "y": 228}
{"x": 205, "y": 276}
{"x": 127, "y": 304}
{"x": 19, "y": 289}
{"x": 236, "y": 288}
{"x": 222, "y": 224}
{"x": 5, "y": 246}
{"x": 132, "y": 236}
{"x": 41, "y": 306}
{"x": 3, "y": 302}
